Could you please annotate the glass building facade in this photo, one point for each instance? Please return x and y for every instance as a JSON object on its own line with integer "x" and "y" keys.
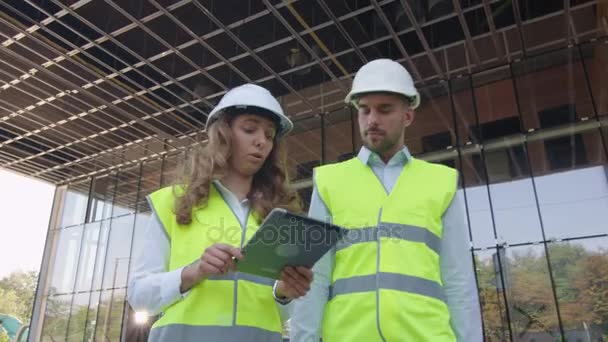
{"x": 529, "y": 139}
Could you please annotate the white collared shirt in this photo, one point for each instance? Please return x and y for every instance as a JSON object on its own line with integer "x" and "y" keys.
{"x": 151, "y": 287}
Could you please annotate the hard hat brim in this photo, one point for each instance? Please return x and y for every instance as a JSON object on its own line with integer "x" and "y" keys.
{"x": 414, "y": 99}
{"x": 284, "y": 125}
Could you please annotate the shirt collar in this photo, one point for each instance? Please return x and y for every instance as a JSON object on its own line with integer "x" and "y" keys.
{"x": 368, "y": 157}
{"x": 226, "y": 192}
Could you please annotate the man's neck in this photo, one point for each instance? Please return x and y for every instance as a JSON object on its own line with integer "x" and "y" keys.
{"x": 388, "y": 155}
{"x": 238, "y": 184}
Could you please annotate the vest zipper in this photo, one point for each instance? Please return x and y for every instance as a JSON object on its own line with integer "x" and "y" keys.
{"x": 378, "y": 275}
{"x": 236, "y": 275}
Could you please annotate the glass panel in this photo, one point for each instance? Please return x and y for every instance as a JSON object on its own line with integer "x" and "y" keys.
{"x": 491, "y": 296}
{"x": 304, "y": 148}
{"x": 515, "y": 212}
{"x": 100, "y": 207}
{"x": 572, "y": 201}
{"x": 496, "y": 106}
{"x": 78, "y": 316}
{"x": 544, "y": 105}
{"x": 464, "y": 108}
{"x": 75, "y": 204}
{"x": 91, "y": 319}
{"x": 86, "y": 259}
{"x": 512, "y": 194}
{"x": 150, "y": 181}
{"x": 55, "y": 324}
{"x": 126, "y": 192}
{"x": 65, "y": 260}
{"x": 109, "y": 315}
{"x": 101, "y": 255}
{"x": 118, "y": 252}
{"x": 596, "y": 59}
{"x": 141, "y": 224}
{"x": 580, "y": 270}
{"x": 432, "y": 129}
{"x": 110, "y": 195}
{"x": 478, "y": 204}
{"x": 338, "y": 135}
{"x": 532, "y": 309}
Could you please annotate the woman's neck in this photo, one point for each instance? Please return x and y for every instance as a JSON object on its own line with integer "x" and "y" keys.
{"x": 238, "y": 184}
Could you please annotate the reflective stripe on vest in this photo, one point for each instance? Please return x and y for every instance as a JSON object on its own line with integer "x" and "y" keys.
{"x": 388, "y": 281}
{"x": 189, "y": 333}
{"x": 390, "y": 230}
{"x": 386, "y": 274}
{"x": 222, "y": 307}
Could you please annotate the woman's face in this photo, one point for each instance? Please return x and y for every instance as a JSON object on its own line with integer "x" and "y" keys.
{"x": 252, "y": 142}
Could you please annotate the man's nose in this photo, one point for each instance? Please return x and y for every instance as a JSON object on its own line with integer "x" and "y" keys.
{"x": 372, "y": 118}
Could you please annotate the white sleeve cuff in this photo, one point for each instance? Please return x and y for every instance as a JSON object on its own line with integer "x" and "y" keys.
{"x": 169, "y": 291}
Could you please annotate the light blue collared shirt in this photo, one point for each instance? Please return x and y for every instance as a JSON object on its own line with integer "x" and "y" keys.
{"x": 456, "y": 263}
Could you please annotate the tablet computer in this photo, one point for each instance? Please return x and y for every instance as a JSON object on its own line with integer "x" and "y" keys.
{"x": 287, "y": 239}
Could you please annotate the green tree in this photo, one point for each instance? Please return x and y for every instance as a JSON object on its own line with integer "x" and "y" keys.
{"x": 591, "y": 281}
{"x": 3, "y": 336}
{"x": 10, "y": 303}
{"x": 17, "y": 291}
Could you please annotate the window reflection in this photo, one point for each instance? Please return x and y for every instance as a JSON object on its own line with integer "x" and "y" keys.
{"x": 530, "y": 298}
{"x": 109, "y": 315}
{"x": 75, "y": 205}
{"x": 304, "y": 148}
{"x": 491, "y": 297}
{"x": 78, "y": 316}
{"x": 56, "y": 315}
{"x": 118, "y": 252}
{"x": 578, "y": 268}
{"x": 66, "y": 260}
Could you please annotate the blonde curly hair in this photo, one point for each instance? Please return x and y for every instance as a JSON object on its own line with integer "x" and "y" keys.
{"x": 269, "y": 189}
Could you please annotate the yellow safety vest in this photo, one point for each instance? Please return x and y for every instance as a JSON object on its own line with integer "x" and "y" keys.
{"x": 235, "y": 307}
{"x": 386, "y": 283}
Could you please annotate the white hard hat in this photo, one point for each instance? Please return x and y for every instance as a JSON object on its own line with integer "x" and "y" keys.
{"x": 256, "y": 97}
{"x": 384, "y": 75}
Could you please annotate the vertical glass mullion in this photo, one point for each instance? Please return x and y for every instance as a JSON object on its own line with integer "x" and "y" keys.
{"x": 551, "y": 278}
{"x": 487, "y": 186}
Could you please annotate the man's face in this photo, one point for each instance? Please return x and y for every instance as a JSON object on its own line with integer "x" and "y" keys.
{"x": 382, "y": 119}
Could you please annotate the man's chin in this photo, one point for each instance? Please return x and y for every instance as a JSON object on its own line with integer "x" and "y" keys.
{"x": 378, "y": 147}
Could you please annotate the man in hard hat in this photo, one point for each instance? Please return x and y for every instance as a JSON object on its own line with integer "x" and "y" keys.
{"x": 404, "y": 270}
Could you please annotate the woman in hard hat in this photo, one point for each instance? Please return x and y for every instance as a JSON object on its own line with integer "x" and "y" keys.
{"x": 185, "y": 270}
